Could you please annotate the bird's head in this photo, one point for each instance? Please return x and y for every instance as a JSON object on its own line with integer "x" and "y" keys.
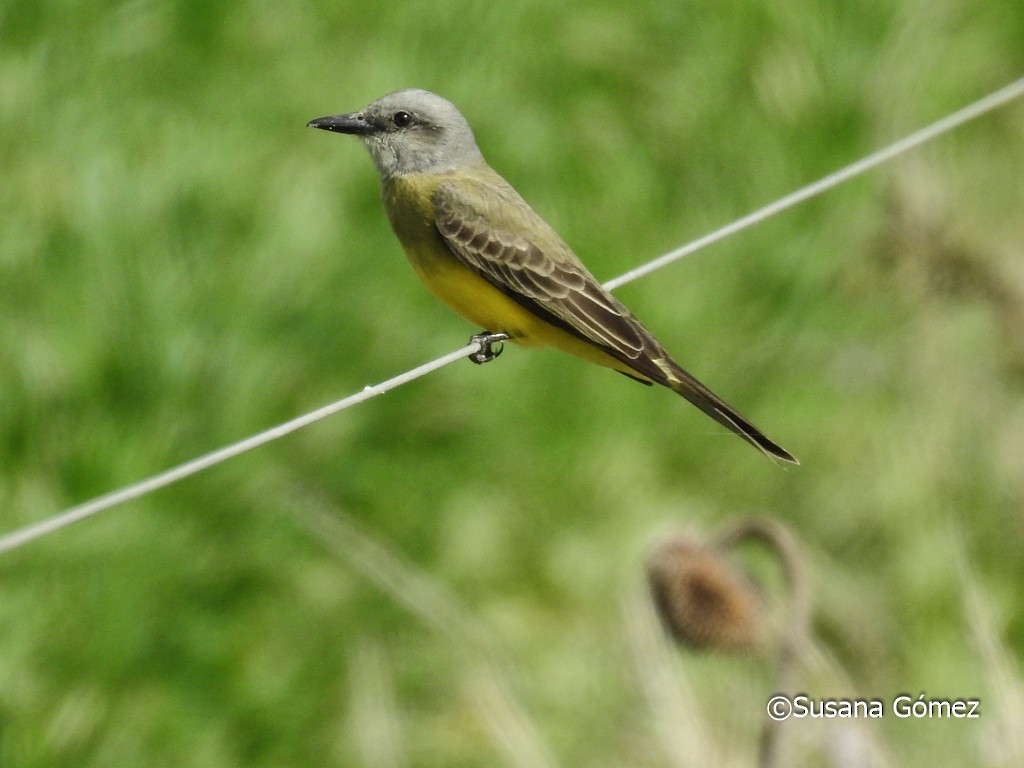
{"x": 410, "y": 131}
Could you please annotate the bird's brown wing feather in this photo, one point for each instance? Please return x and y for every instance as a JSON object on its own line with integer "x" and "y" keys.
{"x": 542, "y": 273}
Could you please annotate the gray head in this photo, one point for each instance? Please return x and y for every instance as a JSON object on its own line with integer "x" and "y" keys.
{"x": 410, "y": 131}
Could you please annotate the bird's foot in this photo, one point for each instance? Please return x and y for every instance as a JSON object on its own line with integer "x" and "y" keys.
{"x": 487, "y": 351}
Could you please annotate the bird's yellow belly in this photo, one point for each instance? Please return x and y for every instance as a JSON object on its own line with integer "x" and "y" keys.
{"x": 468, "y": 294}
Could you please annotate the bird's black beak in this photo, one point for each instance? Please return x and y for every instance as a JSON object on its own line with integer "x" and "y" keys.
{"x": 354, "y": 124}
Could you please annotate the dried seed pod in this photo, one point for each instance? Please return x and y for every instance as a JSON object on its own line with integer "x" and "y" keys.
{"x": 702, "y": 598}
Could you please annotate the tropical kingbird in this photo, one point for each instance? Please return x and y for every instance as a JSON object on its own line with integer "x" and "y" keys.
{"x": 481, "y": 249}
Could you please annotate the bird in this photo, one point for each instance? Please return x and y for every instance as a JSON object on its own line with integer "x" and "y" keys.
{"x": 484, "y": 252}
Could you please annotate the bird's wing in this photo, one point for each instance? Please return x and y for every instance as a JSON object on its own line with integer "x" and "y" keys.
{"x": 490, "y": 229}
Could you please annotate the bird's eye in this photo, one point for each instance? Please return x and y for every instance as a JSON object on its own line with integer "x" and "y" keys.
{"x": 402, "y": 119}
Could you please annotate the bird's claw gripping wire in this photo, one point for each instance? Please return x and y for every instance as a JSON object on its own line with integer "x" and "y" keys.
{"x": 487, "y": 352}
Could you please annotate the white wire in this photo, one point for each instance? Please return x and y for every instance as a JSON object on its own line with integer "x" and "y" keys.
{"x": 992, "y": 101}
{"x": 163, "y": 479}
{"x": 63, "y": 519}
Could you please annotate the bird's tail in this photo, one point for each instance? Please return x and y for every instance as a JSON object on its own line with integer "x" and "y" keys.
{"x": 686, "y": 385}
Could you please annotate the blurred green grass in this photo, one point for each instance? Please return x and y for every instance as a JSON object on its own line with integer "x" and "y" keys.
{"x": 182, "y": 263}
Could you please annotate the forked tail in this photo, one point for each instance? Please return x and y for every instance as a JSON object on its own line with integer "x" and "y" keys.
{"x": 686, "y": 385}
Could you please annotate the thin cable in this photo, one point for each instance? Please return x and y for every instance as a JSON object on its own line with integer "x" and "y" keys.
{"x": 987, "y": 104}
{"x": 143, "y": 487}
{"x": 173, "y": 475}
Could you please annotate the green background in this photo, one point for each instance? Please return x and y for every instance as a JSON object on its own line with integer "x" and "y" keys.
{"x": 438, "y": 577}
